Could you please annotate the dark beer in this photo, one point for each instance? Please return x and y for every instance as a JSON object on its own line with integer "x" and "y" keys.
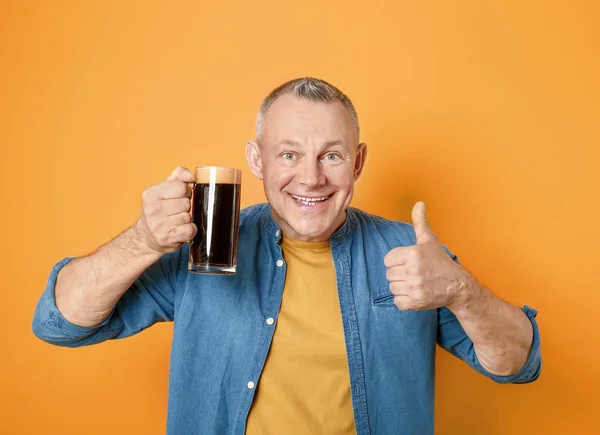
{"x": 216, "y": 214}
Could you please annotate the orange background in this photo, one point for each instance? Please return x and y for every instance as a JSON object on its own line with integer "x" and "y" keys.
{"x": 488, "y": 111}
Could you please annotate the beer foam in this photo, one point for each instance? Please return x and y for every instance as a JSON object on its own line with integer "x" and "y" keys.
{"x": 221, "y": 175}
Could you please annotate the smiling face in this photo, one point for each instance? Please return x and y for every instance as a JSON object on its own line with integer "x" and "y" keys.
{"x": 308, "y": 160}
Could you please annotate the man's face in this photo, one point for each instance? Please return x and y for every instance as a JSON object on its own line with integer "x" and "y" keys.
{"x": 308, "y": 160}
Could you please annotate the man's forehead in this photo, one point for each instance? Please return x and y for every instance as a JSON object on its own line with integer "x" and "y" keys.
{"x": 289, "y": 115}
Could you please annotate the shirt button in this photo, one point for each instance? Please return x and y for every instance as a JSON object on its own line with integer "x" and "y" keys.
{"x": 250, "y": 385}
{"x": 279, "y": 263}
{"x": 277, "y": 233}
{"x": 270, "y": 321}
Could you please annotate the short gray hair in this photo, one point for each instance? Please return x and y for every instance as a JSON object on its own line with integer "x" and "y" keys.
{"x": 308, "y": 88}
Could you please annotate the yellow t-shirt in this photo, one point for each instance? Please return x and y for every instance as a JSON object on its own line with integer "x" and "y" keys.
{"x": 305, "y": 385}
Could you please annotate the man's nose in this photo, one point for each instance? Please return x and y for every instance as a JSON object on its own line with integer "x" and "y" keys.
{"x": 311, "y": 174}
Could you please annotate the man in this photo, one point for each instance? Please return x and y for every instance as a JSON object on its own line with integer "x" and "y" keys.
{"x": 331, "y": 321}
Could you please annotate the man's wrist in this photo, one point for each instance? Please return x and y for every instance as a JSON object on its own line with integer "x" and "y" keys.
{"x": 140, "y": 245}
{"x": 467, "y": 295}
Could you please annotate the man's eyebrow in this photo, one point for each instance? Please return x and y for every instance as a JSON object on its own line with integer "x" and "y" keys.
{"x": 332, "y": 143}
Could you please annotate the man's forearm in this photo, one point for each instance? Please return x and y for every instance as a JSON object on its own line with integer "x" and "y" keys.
{"x": 88, "y": 288}
{"x": 501, "y": 332}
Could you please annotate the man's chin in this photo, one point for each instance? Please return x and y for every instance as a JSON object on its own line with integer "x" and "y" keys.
{"x": 306, "y": 232}
{"x": 300, "y": 226}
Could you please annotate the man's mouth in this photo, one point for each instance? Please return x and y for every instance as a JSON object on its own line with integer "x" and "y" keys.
{"x": 304, "y": 200}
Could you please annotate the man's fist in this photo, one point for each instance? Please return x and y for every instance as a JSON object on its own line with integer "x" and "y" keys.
{"x": 423, "y": 276}
{"x": 166, "y": 223}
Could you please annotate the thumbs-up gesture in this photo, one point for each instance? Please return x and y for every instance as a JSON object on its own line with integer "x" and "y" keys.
{"x": 423, "y": 276}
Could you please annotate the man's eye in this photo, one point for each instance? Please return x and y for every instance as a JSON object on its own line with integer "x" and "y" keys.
{"x": 288, "y": 156}
{"x": 332, "y": 157}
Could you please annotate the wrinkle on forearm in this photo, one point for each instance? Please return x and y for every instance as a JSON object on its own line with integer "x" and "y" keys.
{"x": 501, "y": 333}
{"x": 88, "y": 288}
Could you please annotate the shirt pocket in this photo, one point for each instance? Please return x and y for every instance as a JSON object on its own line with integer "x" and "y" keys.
{"x": 383, "y": 300}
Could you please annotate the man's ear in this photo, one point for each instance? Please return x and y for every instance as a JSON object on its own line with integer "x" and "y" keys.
{"x": 361, "y": 158}
{"x": 254, "y": 158}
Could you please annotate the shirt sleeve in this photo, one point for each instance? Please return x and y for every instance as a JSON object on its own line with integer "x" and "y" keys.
{"x": 150, "y": 299}
{"x": 453, "y": 338}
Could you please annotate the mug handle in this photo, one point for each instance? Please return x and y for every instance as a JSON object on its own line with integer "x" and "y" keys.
{"x": 192, "y": 185}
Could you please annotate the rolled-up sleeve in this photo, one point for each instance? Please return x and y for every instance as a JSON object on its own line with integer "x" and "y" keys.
{"x": 453, "y": 338}
{"x": 150, "y": 299}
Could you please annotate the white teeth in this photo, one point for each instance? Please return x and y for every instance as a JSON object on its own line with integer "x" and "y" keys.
{"x": 309, "y": 201}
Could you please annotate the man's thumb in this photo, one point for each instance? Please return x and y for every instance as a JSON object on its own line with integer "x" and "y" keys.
{"x": 182, "y": 174}
{"x": 419, "y": 218}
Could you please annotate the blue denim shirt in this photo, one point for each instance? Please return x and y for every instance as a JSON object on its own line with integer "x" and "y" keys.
{"x": 221, "y": 337}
